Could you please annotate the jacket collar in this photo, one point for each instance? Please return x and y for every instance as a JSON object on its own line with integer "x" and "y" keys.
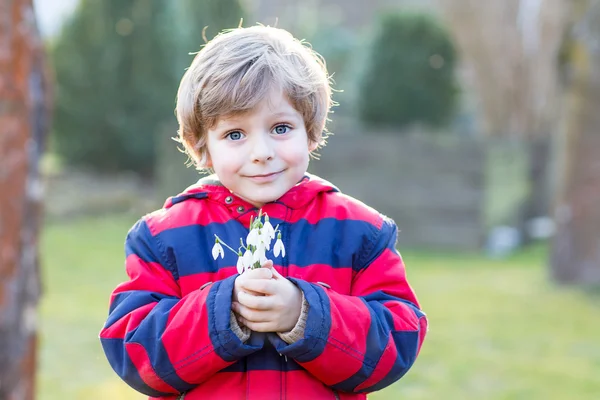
{"x": 210, "y": 187}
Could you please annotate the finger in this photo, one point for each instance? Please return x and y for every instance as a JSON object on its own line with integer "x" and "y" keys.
{"x": 250, "y": 314}
{"x": 263, "y": 286}
{"x": 276, "y": 274}
{"x": 268, "y": 264}
{"x": 257, "y": 273}
{"x": 259, "y": 303}
{"x": 257, "y": 326}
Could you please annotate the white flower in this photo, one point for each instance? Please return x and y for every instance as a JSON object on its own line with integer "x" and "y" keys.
{"x": 268, "y": 230}
{"x": 247, "y": 259}
{"x": 265, "y": 238}
{"x": 278, "y": 248}
{"x": 253, "y": 238}
{"x": 240, "y": 265}
{"x": 217, "y": 250}
{"x": 259, "y": 254}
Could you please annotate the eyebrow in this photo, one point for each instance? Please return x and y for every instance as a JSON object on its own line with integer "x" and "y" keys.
{"x": 235, "y": 120}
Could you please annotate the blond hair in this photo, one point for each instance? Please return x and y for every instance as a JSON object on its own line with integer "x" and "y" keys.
{"x": 237, "y": 69}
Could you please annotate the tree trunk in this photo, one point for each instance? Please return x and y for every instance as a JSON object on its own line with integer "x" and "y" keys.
{"x": 575, "y": 255}
{"x": 23, "y": 125}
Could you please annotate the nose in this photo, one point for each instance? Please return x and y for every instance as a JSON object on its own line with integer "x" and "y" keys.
{"x": 262, "y": 148}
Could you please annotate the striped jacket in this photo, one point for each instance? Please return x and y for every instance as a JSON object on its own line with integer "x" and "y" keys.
{"x": 168, "y": 333}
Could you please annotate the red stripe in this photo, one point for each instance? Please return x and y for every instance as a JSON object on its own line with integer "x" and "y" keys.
{"x": 192, "y": 282}
{"x": 345, "y": 208}
{"x": 222, "y": 385}
{"x": 187, "y": 342}
{"x": 385, "y": 273}
{"x": 140, "y": 359}
{"x": 208, "y": 211}
{"x": 422, "y": 333}
{"x": 188, "y": 213}
{"x": 339, "y": 279}
{"x": 129, "y": 322}
{"x": 384, "y": 366}
{"x": 147, "y": 276}
{"x": 343, "y": 357}
{"x": 403, "y": 315}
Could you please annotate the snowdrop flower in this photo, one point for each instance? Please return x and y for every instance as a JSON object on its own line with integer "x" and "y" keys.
{"x": 278, "y": 248}
{"x": 253, "y": 238}
{"x": 240, "y": 265}
{"x": 268, "y": 230}
{"x": 247, "y": 259}
{"x": 259, "y": 255}
{"x": 217, "y": 250}
{"x": 265, "y": 238}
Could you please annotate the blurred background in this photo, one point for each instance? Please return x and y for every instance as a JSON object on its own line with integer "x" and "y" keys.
{"x": 474, "y": 124}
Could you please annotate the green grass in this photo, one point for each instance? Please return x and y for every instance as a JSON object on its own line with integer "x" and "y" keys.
{"x": 498, "y": 329}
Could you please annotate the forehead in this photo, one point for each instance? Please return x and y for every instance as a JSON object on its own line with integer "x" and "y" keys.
{"x": 275, "y": 105}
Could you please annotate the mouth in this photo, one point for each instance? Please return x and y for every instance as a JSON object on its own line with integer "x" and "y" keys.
{"x": 264, "y": 175}
{"x": 264, "y": 178}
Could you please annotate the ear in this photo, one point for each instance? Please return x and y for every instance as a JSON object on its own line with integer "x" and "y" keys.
{"x": 205, "y": 159}
{"x": 312, "y": 145}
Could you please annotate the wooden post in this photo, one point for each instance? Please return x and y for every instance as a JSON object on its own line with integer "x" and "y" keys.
{"x": 23, "y": 125}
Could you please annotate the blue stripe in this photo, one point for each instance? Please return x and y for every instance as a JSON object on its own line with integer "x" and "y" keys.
{"x": 384, "y": 297}
{"x": 148, "y": 334}
{"x": 337, "y": 243}
{"x": 406, "y": 344}
{"x": 318, "y": 325}
{"x": 140, "y": 242}
{"x": 386, "y": 239}
{"x": 122, "y": 365}
{"x": 126, "y": 302}
{"x": 377, "y": 338}
{"x": 266, "y": 359}
{"x": 382, "y": 326}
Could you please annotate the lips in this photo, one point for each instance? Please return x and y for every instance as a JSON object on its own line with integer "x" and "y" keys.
{"x": 264, "y": 178}
{"x": 264, "y": 175}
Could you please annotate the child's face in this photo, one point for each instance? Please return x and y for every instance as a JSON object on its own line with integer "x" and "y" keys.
{"x": 261, "y": 154}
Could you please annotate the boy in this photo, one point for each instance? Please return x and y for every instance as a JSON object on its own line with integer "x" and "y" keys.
{"x": 332, "y": 319}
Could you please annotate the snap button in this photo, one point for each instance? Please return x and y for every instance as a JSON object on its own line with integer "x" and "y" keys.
{"x": 324, "y": 285}
{"x": 228, "y": 199}
{"x": 205, "y": 285}
{"x": 241, "y": 209}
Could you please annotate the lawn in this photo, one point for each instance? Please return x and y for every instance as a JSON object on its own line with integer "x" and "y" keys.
{"x": 499, "y": 329}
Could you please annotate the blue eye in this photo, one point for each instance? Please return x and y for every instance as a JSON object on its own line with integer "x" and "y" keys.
{"x": 235, "y": 135}
{"x": 281, "y": 129}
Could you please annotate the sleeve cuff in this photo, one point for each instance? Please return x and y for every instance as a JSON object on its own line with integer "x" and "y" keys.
{"x": 317, "y": 325}
{"x": 242, "y": 332}
{"x": 226, "y": 343}
{"x": 297, "y": 332}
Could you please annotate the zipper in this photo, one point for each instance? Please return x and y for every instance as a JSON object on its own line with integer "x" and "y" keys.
{"x": 335, "y": 394}
{"x": 181, "y": 396}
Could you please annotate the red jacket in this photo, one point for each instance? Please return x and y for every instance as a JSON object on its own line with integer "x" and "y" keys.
{"x": 168, "y": 332}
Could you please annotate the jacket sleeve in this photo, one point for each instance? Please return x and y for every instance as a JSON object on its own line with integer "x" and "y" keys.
{"x": 365, "y": 341}
{"x": 157, "y": 341}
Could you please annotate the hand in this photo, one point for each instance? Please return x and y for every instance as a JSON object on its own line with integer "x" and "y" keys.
{"x": 276, "y": 308}
{"x": 266, "y": 272}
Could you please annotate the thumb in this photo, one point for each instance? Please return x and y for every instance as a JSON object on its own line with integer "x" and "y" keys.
{"x": 268, "y": 264}
{"x": 276, "y": 274}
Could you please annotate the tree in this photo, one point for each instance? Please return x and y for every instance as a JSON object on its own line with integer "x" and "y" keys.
{"x": 115, "y": 83}
{"x": 118, "y": 65}
{"x": 575, "y": 253}
{"x": 512, "y": 47}
{"x": 24, "y": 119}
{"x": 410, "y": 77}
